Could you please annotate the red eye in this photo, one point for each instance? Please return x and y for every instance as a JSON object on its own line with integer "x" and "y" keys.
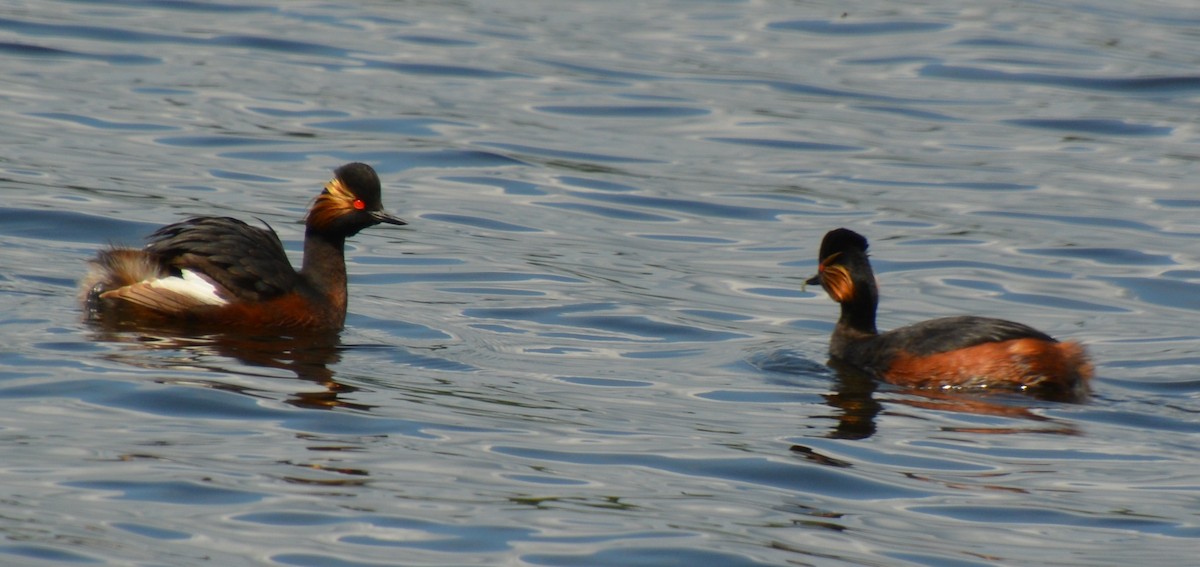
{"x": 359, "y": 204}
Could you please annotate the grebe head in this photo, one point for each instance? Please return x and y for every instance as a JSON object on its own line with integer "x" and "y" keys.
{"x": 844, "y": 270}
{"x": 349, "y": 203}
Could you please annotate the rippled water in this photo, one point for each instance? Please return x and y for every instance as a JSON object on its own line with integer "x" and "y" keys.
{"x": 591, "y": 345}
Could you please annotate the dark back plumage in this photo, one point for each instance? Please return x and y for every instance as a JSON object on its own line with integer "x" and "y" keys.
{"x": 248, "y": 262}
{"x": 953, "y": 333}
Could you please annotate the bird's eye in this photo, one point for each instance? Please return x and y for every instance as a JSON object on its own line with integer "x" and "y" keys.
{"x": 359, "y": 204}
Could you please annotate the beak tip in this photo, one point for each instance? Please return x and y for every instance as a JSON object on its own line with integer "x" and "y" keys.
{"x": 383, "y": 217}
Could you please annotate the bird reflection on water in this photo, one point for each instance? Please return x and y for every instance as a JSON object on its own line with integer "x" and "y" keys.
{"x": 855, "y": 397}
{"x": 859, "y": 399}
{"x": 308, "y": 357}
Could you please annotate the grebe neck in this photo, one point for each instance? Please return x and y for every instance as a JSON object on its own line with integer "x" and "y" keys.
{"x": 857, "y": 320}
{"x": 324, "y": 267}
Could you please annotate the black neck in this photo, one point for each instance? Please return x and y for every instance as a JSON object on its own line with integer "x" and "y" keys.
{"x": 324, "y": 268}
{"x": 858, "y": 315}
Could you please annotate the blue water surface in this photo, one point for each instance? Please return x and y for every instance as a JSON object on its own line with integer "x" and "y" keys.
{"x": 592, "y": 344}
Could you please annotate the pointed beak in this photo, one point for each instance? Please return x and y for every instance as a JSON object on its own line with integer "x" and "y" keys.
{"x": 382, "y": 216}
{"x": 815, "y": 280}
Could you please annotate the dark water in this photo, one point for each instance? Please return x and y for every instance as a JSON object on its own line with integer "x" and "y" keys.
{"x": 591, "y": 345}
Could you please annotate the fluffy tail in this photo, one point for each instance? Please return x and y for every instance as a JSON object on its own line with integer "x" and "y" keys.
{"x": 1063, "y": 370}
{"x": 113, "y": 269}
{"x": 1076, "y": 359}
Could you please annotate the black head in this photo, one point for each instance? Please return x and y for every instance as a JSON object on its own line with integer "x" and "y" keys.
{"x": 842, "y": 240}
{"x": 350, "y": 202}
{"x": 843, "y": 267}
{"x": 362, "y": 181}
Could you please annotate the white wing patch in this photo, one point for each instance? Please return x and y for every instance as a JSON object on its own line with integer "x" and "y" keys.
{"x": 172, "y": 294}
{"x": 190, "y": 284}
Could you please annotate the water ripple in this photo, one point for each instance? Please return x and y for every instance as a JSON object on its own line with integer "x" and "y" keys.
{"x": 441, "y": 70}
{"x": 858, "y": 28}
{"x": 46, "y": 553}
{"x": 29, "y": 50}
{"x": 566, "y": 154}
{"x": 169, "y": 492}
{"x": 484, "y": 223}
{"x": 579, "y": 316}
{"x": 1094, "y": 126}
{"x": 693, "y": 207}
{"x": 659, "y": 556}
{"x": 605, "y": 111}
{"x": 1130, "y": 85}
{"x": 1032, "y": 516}
{"x": 1110, "y": 256}
{"x": 746, "y": 470}
{"x": 403, "y": 126}
{"x": 789, "y": 145}
{"x": 102, "y": 124}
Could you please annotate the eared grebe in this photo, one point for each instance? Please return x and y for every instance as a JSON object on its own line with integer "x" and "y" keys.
{"x": 221, "y": 273}
{"x": 949, "y": 353}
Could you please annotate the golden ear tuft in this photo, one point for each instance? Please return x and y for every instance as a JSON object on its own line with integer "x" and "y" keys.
{"x": 334, "y": 202}
{"x": 837, "y": 282}
{"x": 338, "y": 189}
